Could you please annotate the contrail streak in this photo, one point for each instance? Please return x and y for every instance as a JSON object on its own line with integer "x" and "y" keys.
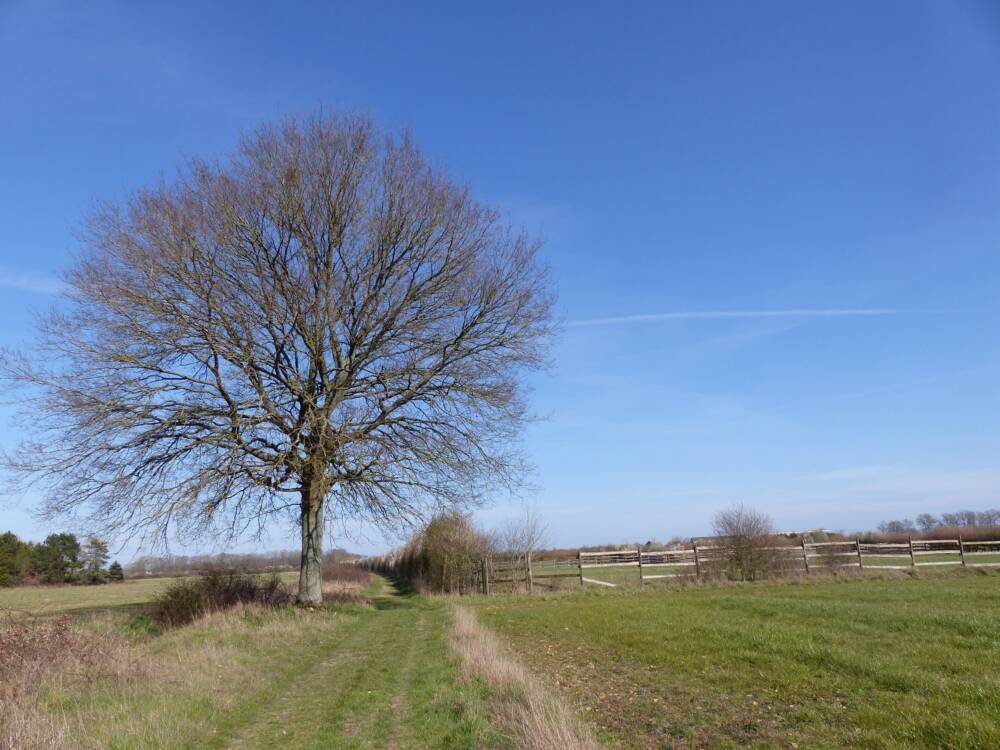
{"x": 709, "y": 314}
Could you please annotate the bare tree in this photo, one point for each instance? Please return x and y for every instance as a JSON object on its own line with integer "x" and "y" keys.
{"x": 897, "y": 527}
{"x": 518, "y": 539}
{"x": 927, "y": 522}
{"x": 525, "y": 533}
{"x": 988, "y": 518}
{"x": 325, "y": 326}
{"x": 746, "y": 536}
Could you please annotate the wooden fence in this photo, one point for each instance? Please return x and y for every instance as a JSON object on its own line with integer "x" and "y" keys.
{"x": 700, "y": 561}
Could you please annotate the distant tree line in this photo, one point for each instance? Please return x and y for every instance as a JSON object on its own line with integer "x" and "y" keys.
{"x": 984, "y": 519}
{"x": 61, "y": 558}
{"x": 249, "y": 562}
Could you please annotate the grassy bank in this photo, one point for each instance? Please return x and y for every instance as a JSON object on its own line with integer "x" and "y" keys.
{"x": 903, "y": 663}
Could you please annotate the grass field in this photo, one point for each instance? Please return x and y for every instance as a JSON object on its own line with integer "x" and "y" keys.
{"x": 873, "y": 663}
{"x": 61, "y": 599}
{"x": 54, "y": 600}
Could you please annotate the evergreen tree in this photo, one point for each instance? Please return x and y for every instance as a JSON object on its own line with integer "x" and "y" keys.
{"x": 15, "y": 559}
{"x": 57, "y": 559}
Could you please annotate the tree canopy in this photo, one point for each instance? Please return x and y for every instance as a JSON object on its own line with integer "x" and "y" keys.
{"x": 324, "y": 326}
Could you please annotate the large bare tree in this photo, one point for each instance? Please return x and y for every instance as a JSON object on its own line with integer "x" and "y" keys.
{"x": 324, "y": 325}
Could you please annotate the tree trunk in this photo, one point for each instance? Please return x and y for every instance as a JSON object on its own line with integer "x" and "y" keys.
{"x": 311, "y": 565}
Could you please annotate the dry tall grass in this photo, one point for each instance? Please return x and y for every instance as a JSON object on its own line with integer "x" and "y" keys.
{"x": 347, "y": 573}
{"x": 536, "y": 719}
{"x": 67, "y": 685}
{"x": 47, "y": 656}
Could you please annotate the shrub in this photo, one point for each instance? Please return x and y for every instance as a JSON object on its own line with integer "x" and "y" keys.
{"x": 448, "y": 554}
{"x": 747, "y": 538}
{"x": 92, "y": 577}
{"x": 187, "y": 600}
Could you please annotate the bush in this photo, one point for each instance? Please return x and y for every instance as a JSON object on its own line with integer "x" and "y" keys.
{"x": 187, "y": 600}
{"x": 747, "y": 538}
{"x": 92, "y": 577}
{"x": 448, "y": 554}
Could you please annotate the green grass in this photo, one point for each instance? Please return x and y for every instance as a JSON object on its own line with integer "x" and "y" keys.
{"x": 620, "y": 575}
{"x": 383, "y": 678}
{"x": 336, "y": 676}
{"x": 953, "y": 557}
{"x": 860, "y": 662}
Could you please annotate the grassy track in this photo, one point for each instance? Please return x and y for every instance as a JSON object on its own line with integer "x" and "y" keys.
{"x": 904, "y": 663}
{"x": 333, "y": 677}
{"x": 377, "y": 683}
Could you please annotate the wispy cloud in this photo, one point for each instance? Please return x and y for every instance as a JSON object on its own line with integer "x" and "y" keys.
{"x": 712, "y": 314}
{"x": 29, "y": 281}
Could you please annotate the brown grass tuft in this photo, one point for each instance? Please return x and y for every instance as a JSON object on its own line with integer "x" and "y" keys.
{"x": 535, "y": 717}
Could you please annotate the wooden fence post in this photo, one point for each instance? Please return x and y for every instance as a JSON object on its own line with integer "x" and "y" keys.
{"x": 486, "y": 577}
{"x": 531, "y": 580}
{"x": 697, "y": 565}
{"x": 579, "y": 564}
{"x": 638, "y": 551}
{"x": 913, "y": 560}
{"x": 861, "y": 564}
{"x": 961, "y": 551}
{"x": 805, "y": 555}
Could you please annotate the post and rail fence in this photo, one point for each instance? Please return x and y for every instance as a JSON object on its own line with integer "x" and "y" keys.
{"x": 610, "y": 568}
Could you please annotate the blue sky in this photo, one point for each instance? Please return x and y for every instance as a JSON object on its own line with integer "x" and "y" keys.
{"x": 827, "y": 174}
